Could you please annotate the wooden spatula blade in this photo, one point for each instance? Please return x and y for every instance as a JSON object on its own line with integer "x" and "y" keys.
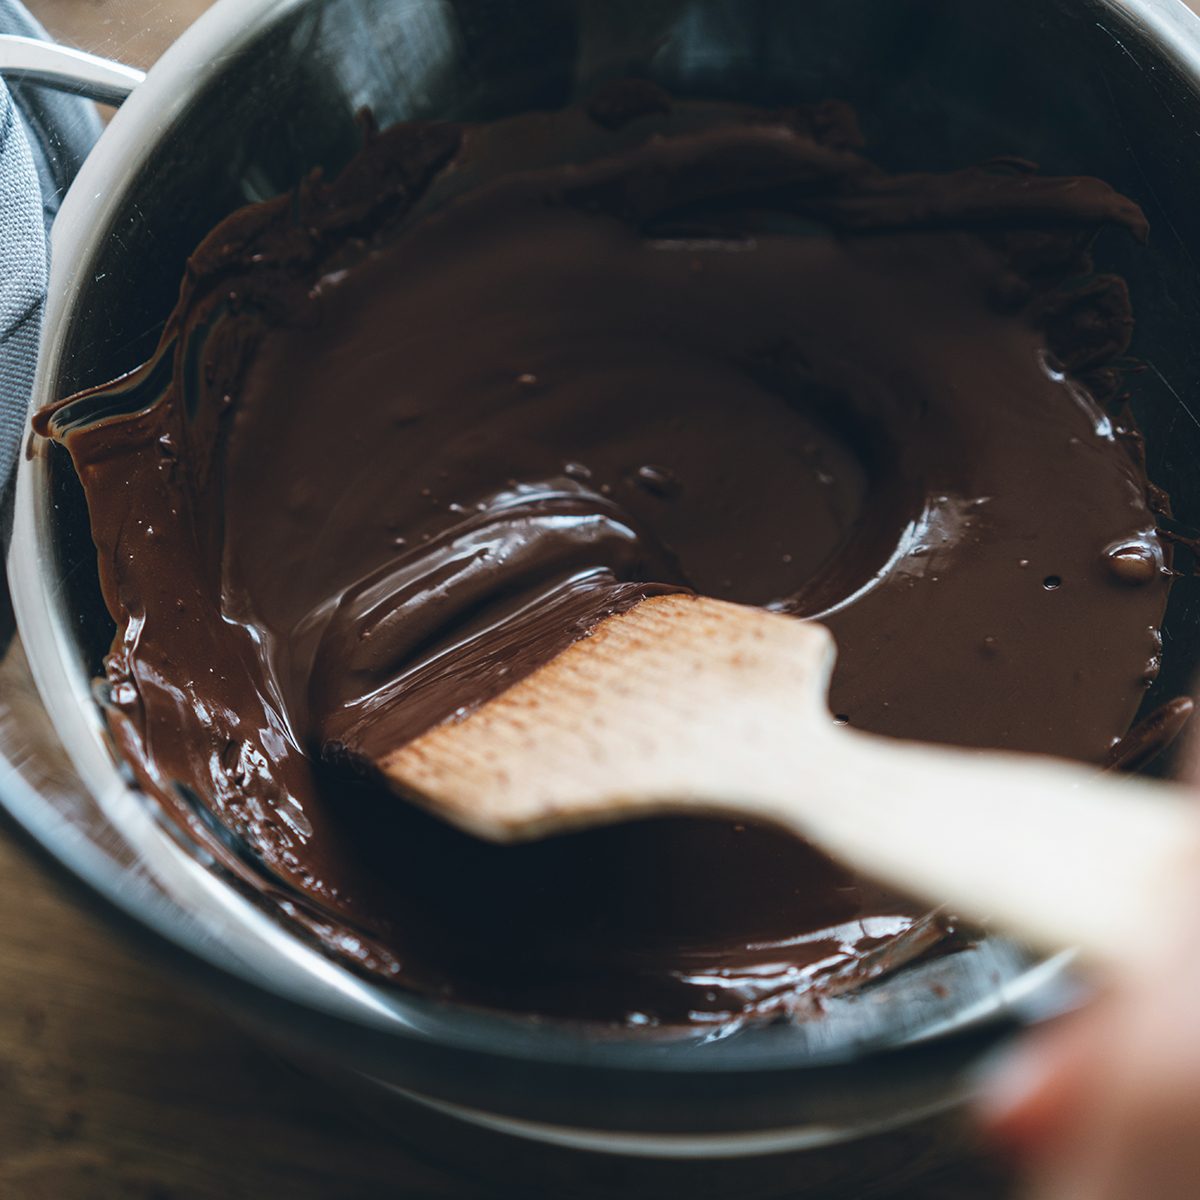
{"x": 600, "y": 733}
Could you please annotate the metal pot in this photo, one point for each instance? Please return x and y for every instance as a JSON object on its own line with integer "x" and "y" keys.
{"x": 260, "y": 91}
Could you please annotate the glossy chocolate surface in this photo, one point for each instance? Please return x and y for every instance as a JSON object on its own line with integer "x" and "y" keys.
{"x": 412, "y": 431}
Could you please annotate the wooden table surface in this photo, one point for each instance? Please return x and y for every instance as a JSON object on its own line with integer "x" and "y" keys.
{"x": 114, "y": 1084}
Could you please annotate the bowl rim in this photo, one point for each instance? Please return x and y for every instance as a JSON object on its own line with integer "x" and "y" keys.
{"x": 92, "y": 204}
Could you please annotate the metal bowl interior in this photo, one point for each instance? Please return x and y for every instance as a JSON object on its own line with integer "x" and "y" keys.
{"x": 261, "y": 92}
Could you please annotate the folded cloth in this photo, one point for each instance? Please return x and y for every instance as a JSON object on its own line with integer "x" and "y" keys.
{"x": 44, "y": 138}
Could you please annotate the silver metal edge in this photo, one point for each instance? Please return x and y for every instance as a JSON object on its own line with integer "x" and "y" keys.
{"x": 24, "y": 59}
{"x": 1172, "y": 22}
{"x": 678, "y": 1147}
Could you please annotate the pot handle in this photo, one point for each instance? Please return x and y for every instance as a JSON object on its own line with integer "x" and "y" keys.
{"x": 66, "y": 70}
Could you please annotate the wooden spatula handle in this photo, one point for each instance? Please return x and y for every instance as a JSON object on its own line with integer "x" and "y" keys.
{"x": 1057, "y": 852}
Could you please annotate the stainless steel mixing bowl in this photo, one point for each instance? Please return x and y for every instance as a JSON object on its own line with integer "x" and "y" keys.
{"x": 261, "y": 91}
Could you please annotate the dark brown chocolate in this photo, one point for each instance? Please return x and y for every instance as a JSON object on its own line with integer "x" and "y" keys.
{"x": 411, "y": 432}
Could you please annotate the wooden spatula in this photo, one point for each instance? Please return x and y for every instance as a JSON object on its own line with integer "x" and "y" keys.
{"x": 688, "y": 705}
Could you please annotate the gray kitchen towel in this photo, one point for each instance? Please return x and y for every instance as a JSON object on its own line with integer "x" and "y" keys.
{"x": 44, "y": 137}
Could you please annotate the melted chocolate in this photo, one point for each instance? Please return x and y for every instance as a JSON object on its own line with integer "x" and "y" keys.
{"x": 411, "y": 432}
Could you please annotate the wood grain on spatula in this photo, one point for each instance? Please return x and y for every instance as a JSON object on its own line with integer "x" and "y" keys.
{"x": 689, "y": 705}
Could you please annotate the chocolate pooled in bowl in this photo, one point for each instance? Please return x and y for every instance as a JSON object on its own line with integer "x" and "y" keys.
{"x": 411, "y": 432}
